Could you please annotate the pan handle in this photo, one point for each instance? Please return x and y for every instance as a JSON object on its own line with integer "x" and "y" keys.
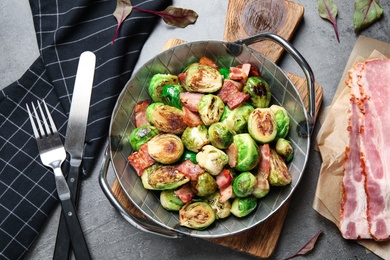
{"x": 235, "y": 48}
{"x": 137, "y": 222}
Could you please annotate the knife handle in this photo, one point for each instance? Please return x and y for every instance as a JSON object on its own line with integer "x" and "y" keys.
{"x": 75, "y": 231}
{"x": 62, "y": 246}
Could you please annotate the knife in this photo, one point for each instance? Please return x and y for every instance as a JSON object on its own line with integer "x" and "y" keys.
{"x": 74, "y": 144}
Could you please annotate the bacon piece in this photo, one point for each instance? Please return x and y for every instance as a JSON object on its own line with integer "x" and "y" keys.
{"x": 185, "y": 193}
{"x": 191, "y": 118}
{"x": 238, "y": 84}
{"x": 224, "y": 179}
{"x": 140, "y": 113}
{"x": 238, "y": 74}
{"x": 253, "y": 71}
{"x": 140, "y": 160}
{"x": 190, "y": 100}
{"x": 232, "y": 153}
{"x": 231, "y": 96}
{"x": 209, "y": 62}
{"x": 182, "y": 78}
{"x": 226, "y": 193}
{"x": 190, "y": 169}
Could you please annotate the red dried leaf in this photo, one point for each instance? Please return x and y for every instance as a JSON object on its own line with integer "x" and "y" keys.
{"x": 123, "y": 9}
{"x": 307, "y": 247}
{"x": 328, "y": 10}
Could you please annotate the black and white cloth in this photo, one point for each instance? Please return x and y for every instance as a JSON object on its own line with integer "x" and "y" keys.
{"x": 64, "y": 30}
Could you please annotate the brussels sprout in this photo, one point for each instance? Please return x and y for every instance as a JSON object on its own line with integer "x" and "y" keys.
{"x": 171, "y": 95}
{"x": 167, "y": 119}
{"x": 165, "y": 148}
{"x": 205, "y": 185}
{"x": 142, "y": 135}
{"x": 282, "y": 120}
{"x": 284, "y": 148}
{"x": 188, "y": 155}
{"x": 157, "y": 83}
{"x": 196, "y": 215}
{"x": 261, "y": 188}
{"x": 170, "y": 201}
{"x": 237, "y": 119}
{"x": 279, "y": 174}
{"x": 150, "y": 109}
{"x": 244, "y": 184}
{"x": 194, "y": 138}
{"x": 259, "y": 91}
{"x": 202, "y": 78}
{"x": 224, "y": 72}
{"x": 241, "y": 207}
{"x": 248, "y": 152}
{"x": 212, "y": 159}
{"x": 262, "y": 125}
{"x": 221, "y": 209}
{"x": 210, "y": 109}
{"x": 163, "y": 177}
{"x": 220, "y": 135}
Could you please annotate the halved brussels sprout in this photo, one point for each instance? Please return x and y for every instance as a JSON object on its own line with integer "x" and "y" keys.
{"x": 163, "y": 177}
{"x": 221, "y": 209}
{"x": 247, "y": 152}
{"x": 237, "y": 119}
{"x": 279, "y": 174}
{"x": 259, "y": 91}
{"x": 170, "y": 201}
{"x": 244, "y": 184}
{"x": 205, "y": 185}
{"x": 150, "y": 109}
{"x": 262, "y": 125}
{"x": 212, "y": 159}
{"x": 194, "y": 138}
{"x": 142, "y": 135}
{"x": 196, "y": 215}
{"x": 168, "y": 119}
{"x": 210, "y": 109}
{"x": 220, "y": 135}
{"x": 188, "y": 155}
{"x": 284, "y": 148}
{"x": 241, "y": 207}
{"x": 282, "y": 120}
{"x": 202, "y": 78}
{"x": 165, "y": 148}
{"x": 157, "y": 83}
{"x": 171, "y": 95}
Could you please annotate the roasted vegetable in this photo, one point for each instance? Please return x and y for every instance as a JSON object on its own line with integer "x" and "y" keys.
{"x": 244, "y": 184}
{"x": 150, "y": 109}
{"x": 210, "y": 109}
{"x": 170, "y": 95}
{"x": 196, "y": 215}
{"x": 282, "y": 121}
{"x": 241, "y": 207}
{"x": 157, "y": 84}
{"x": 163, "y": 177}
{"x": 167, "y": 119}
{"x": 212, "y": 159}
{"x": 194, "y": 138}
{"x": 205, "y": 185}
{"x": 170, "y": 201}
{"x": 220, "y": 135}
{"x": 221, "y": 209}
{"x": 284, "y": 148}
{"x": 279, "y": 173}
{"x": 237, "y": 119}
{"x": 259, "y": 91}
{"x": 247, "y": 152}
{"x": 224, "y": 72}
{"x": 141, "y": 135}
{"x": 165, "y": 148}
{"x": 262, "y": 125}
{"x": 188, "y": 155}
{"x": 202, "y": 78}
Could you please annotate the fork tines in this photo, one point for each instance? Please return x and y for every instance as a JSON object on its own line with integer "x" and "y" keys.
{"x": 48, "y": 130}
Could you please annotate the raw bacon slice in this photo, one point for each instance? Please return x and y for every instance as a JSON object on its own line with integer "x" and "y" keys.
{"x": 231, "y": 95}
{"x": 140, "y": 113}
{"x": 190, "y": 169}
{"x": 141, "y": 159}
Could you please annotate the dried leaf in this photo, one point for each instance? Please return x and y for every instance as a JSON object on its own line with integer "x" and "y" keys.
{"x": 366, "y": 13}
{"x": 174, "y": 16}
{"x": 307, "y": 247}
{"x": 328, "y": 10}
{"x": 123, "y": 9}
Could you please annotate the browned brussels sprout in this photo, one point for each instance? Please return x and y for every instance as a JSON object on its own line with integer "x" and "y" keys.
{"x": 170, "y": 201}
{"x": 262, "y": 125}
{"x": 212, "y": 159}
{"x": 210, "y": 109}
{"x": 221, "y": 209}
{"x": 163, "y": 177}
{"x": 167, "y": 119}
{"x": 279, "y": 174}
{"x": 220, "y": 135}
{"x": 142, "y": 135}
{"x": 196, "y": 215}
{"x": 244, "y": 184}
{"x": 205, "y": 185}
{"x": 259, "y": 91}
{"x": 157, "y": 84}
{"x": 202, "y": 78}
{"x": 165, "y": 148}
{"x": 284, "y": 148}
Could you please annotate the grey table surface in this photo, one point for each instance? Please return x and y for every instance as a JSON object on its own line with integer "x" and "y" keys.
{"x": 108, "y": 234}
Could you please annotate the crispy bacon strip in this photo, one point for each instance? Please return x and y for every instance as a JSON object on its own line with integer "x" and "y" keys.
{"x": 191, "y": 118}
{"x": 140, "y": 113}
{"x": 190, "y": 169}
{"x": 190, "y": 100}
{"x": 140, "y": 160}
{"x": 231, "y": 95}
{"x": 185, "y": 193}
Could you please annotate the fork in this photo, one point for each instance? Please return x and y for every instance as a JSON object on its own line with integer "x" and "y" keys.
{"x": 52, "y": 154}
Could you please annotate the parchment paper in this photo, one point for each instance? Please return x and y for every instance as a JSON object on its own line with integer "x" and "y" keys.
{"x": 332, "y": 140}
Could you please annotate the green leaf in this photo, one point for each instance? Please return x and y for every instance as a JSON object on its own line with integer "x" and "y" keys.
{"x": 328, "y": 10}
{"x": 123, "y": 9}
{"x": 366, "y": 13}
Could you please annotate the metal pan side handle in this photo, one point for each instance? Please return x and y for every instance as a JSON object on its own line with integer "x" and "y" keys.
{"x": 139, "y": 223}
{"x": 301, "y": 62}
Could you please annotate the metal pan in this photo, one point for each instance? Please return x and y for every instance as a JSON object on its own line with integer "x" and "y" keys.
{"x": 174, "y": 60}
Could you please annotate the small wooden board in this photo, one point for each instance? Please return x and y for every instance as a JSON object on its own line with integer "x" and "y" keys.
{"x": 246, "y": 18}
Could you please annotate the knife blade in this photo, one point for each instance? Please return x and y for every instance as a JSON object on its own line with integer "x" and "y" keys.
{"x": 74, "y": 141}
